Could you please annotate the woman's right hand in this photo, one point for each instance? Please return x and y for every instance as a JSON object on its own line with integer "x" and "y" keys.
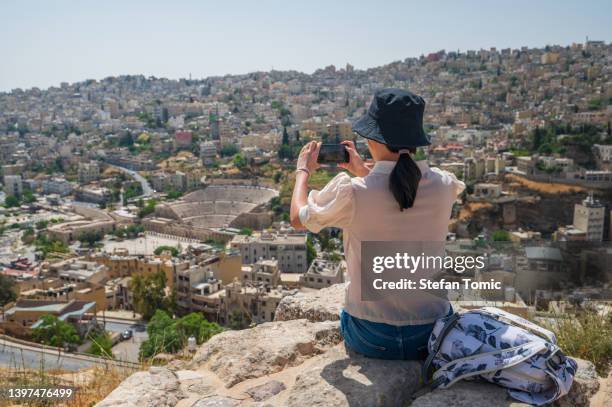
{"x": 308, "y": 156}
{"x": 356, "y": 165}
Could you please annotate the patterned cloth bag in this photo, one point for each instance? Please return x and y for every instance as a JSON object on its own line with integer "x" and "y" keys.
{"x": 501, "y": 348}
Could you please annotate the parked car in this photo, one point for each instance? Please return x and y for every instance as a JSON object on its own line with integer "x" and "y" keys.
{"x": 127, "y": 334}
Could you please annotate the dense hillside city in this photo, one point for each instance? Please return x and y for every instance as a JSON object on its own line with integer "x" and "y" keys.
{"x": 140, "y": 208}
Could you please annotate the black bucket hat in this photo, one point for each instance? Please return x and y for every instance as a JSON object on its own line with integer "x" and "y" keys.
{"x": 394, "y": 118}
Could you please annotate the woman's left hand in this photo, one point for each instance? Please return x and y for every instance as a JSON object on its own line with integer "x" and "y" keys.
{"x": 308, "y": 156}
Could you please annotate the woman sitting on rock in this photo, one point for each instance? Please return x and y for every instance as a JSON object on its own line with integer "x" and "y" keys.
{"x": 396, "y": 199}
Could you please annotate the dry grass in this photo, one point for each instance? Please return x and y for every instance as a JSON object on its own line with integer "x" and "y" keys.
{"x": 545, "y": 187}
{"x": 587, "y": 336}
{"x": 470, "y": 208}
{"x": 92, "y": 385}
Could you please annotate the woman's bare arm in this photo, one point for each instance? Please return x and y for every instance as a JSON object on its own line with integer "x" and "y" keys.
{"x": 306, "y": 164}
{"x": 299, "y": 198}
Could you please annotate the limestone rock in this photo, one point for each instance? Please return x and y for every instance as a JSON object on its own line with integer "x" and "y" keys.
{"x": 321, "y": 305}
{"x": 216, "y": 401}
{"x": 235, "y": 356}
{"x": 159, "y": 387}
{"x": 266, "y": 390}
{"x": 340, "y": 379}
{"x": 468, "y": 394}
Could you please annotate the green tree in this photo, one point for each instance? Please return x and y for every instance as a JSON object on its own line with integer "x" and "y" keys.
{"x": 47, "y": 246}
{"x": 246, "y": 231}
{"x": 42, "y": 224}
{"x": 228, "y": 150}
{"x": 147, "y": 208}
{"x": 196, "y": 325}
{"x": 285, "y": 151}
{"x": 174, "y": 194}
{"x": 501, "y": 236}
{"x": 101, "y": 345}
{"x": 7, "y": 290}
{"x": 28, "y": 196}
{"x": 11, "y": 201}
{"x": 277, "y": 177}
{"x": 240, "y": 161}
{"x": 55, "y": 332}
{"x": 171, "y": 335}
{"x": 311, "y": 252}
{"x": 167, "y": 341}
{"x": 160, "y": 249}
{"x": 90, "y": 238}
{"x": 149, "y": 292}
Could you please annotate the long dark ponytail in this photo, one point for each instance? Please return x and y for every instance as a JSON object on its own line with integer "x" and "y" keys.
{"x": 404, "y": 179}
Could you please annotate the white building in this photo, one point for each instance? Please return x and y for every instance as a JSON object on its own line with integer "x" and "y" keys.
{"x": 589, "y": 218}
{"x": 57, "y": 186}
{"x": 289, "y": 250}
{"x": 208, "y": 152}
{"x": 88, "y": 172}
{"x": 321, "y": 274}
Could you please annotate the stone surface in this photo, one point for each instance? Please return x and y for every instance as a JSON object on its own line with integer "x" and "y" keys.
{"x": 468, "y": 394}
{"x": 159, "y": 387}
{"x": 235, "y": 356}
{"x": 266, "y": 390}
{"x": 184, "y": 375}
{"x": 321, "y": 305}
{"x": 216, "y": 401}
{"x": 339, "y": 379}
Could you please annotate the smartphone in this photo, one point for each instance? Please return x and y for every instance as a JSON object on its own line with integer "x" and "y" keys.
{"x": 332, "y": 154}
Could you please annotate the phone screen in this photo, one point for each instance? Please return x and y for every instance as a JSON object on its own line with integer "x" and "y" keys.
{"x": 333, "y": 154}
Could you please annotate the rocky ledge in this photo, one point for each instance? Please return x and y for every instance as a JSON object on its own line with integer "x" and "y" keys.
{"x": 299, "y": 360}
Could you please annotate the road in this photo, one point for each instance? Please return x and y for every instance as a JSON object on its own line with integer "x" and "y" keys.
{"x": 127, "y": 350}
{"x": 20, "y": 356}
{"x": 146, "y": 188}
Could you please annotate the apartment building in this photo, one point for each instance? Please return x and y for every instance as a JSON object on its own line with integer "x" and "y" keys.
{"x": 57, "y": 186}
{"x": 339, "y": 131}
{"x": 589, "y": 218}
{"x": 208, "y": 152}
{"x": 88, "y": 172}
{"x": 257, "y": 303}
{"x": 79, "y": 270}
{"x": 63, "y": 291}
{"x": 198, "y": 281}
{"x": 261, "y": 272}
{"x": 27, "y": 314}
{"x": 322, "y": 273}
{"x": 93, "y": 194}
{"x": 13, "y": 185}
{"x": 288, "y": 250}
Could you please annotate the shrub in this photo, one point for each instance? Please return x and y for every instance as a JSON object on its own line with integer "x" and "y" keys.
{"x": 586, "y": 336}
{"x": 159, "y": 250}
{"x": 101, "y": 345}
{"x": 171, "y": 335}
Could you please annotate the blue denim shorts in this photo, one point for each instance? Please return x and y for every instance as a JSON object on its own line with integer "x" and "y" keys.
{"x": 383, "y": 341}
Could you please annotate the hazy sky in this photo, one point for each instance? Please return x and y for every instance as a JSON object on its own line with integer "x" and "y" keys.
{"x": 43, "y": 43}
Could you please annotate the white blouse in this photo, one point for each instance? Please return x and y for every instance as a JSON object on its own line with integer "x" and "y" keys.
{"x": 366, "y": 210}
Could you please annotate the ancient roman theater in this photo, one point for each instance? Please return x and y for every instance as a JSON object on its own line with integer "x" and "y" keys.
{"x": 213, "y": 211}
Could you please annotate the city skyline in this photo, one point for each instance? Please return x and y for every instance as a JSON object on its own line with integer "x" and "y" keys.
{"x": 175, "y": 42}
